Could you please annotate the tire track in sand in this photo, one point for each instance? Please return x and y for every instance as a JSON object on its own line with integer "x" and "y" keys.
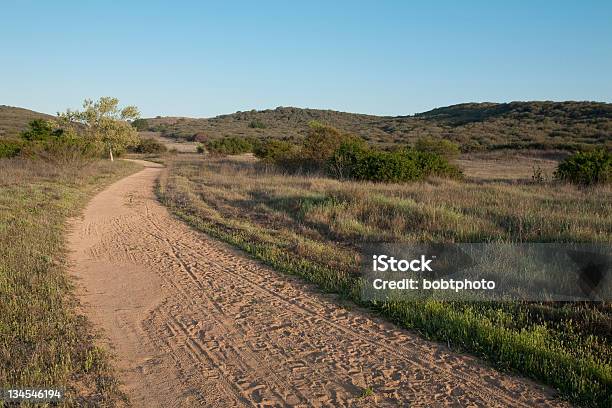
{"x": 193, "y": 322}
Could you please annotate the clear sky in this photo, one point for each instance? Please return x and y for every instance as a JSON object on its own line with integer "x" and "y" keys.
{"x": 198, "y": 58}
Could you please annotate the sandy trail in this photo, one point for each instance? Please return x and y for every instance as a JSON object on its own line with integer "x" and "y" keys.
{"x": 195, "y": 323}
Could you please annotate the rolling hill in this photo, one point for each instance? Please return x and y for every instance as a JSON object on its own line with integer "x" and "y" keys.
{"x": 13, "y": 120}
{"x": 475, "y": 126}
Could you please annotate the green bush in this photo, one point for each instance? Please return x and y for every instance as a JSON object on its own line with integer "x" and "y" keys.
{"x": 200, "y": 148}
{"x": 10, "y": 148}
{"x": 433, "y": 164}
{"x": 353, "y": 160}
{"x": 40, "y": 129}
{"x": 285, "y": 155}
{"x": 275, "y": 151}
{"x": 67, "y": 150}
{"x": 344, "y": 161}
{"x": 343, "y": 155}
{"x": 322, "y": 141}
{"x": 149, "y": 146}
{"x": 379, "y": 165}
{"x": 141, "y": 124}
{"x": 586, "y": 168}
{"x": 442, "y": 147}
{"x": 257, "y": 124}
{"x": 230, "y": 145}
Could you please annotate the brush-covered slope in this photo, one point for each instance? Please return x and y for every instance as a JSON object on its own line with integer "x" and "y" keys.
{"x": 14, "y": 120}
{"x": 473, "y": 125}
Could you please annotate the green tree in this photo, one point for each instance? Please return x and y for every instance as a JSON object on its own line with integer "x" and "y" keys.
{"x": 105, "y": 122}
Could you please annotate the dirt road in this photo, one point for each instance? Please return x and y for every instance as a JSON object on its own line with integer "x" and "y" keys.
{"x": 195, "y": 323}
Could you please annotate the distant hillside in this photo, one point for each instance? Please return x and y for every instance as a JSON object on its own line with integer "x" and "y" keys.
{"x": 473, "y": 125}
{"x": 14, "y": 120}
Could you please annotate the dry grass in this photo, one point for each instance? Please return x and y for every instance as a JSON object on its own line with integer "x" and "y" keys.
{"x": 314, "y": 227}
{"x": 438, "y": 210}
{"x": 43, "y": 340}
{"x": 508, "y": 165}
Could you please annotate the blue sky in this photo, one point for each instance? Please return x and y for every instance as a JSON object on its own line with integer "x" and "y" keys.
{"x": 197, "y": 58}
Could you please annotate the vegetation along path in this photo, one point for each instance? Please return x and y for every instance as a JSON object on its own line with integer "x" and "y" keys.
{"x": 193, "y": 322}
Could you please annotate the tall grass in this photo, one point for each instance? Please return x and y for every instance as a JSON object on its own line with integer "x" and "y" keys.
{"x": 44, "y": 342}
{"x": 314, "y": 227}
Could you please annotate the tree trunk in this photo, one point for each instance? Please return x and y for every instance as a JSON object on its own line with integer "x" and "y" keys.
{"x": 110, "y": 150}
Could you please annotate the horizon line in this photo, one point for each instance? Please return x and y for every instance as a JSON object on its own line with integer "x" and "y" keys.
{"x": 340, "y": 111}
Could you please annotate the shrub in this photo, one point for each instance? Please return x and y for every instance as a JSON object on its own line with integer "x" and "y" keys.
{"x": 230, "y": 145}
{"x": 442, "y": 147}
{"x": 343, "y": 155}
{"x": 586, "y": 168}
{"x": 538, "y": 176}
{"x": 285, "y": 155}
{"x": 10, "y": 148}
{"x": 257, "y": 124}
{"x": 323, "y": 141}
{"x": 344, "y": 161}
{"x": 433, "y": 164}
{"x": 200, "y": 148}
{"x": 66, "y": 150}
{"x": 57, "y": 144}
{"x": 40, "y": 129}
{"x": 275, "y": 151}
{"x": 379, "y": 165}
{"x": 141, "y": 124}
{"x": 149, "y": 146}
{"x": 199, "y": 137}
{"x": 357, "y": 162}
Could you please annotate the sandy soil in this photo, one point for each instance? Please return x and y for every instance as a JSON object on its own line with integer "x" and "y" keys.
{"x": 192, "y": 322}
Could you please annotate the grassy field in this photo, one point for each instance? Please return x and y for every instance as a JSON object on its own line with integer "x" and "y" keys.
{"x": 314, "y": 227}
{"x": 43, "y": 339}
{"x": 505, "y": 166}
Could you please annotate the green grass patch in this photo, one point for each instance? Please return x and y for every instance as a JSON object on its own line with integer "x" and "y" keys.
{"x": 44, "y": 341}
